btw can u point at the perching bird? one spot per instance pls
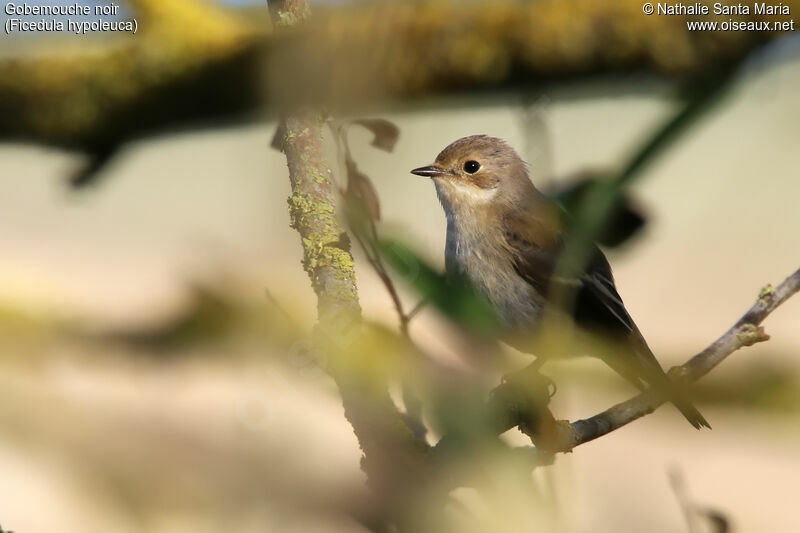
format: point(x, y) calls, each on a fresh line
point(504, 238)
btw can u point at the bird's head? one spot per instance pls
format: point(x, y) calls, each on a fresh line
point(477, 170)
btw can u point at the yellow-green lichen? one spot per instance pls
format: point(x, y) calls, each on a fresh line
point(309, 214)
point(749, 334)
point(766, 294)
point(322, 253)
point(291, 17)
point(293, 135)
point(319, 177)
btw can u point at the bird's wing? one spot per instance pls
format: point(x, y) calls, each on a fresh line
point(535, 248)
point(596, 304)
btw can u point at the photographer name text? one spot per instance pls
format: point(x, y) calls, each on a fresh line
point(757, 8)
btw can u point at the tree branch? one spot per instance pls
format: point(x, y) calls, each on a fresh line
point(746, 332)
point(520, 401)
point(393, 457)
point(211, 59)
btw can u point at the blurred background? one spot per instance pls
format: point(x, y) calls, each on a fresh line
point(150, 376)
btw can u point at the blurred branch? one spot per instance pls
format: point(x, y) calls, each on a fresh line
point(681, 494)
point(191, 61)
point(195, 61)
point(390, 449)
point(745, 332)
point(717, 519)
point(394, 51)
point(604, 199)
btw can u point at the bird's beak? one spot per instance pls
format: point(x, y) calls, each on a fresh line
point(428, 172)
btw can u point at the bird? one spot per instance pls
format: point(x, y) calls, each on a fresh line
point(504, 239)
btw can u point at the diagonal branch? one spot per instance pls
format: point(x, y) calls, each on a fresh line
point(519, 401)
point(746, 332)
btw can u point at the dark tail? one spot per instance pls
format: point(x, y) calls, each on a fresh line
point(691, 413)
point(640, 367)
point(652, 373)
point(670, 390)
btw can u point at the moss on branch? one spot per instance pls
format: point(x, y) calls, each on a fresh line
point(194, 60)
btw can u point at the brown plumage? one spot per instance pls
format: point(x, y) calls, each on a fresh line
point(504, 237)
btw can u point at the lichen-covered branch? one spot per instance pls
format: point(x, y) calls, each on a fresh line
point(393, 457)
point(195, 61)
point(396, 51)
point(326, 253)
point(189, 61)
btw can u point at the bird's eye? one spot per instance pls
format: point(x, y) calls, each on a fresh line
point(471, 167)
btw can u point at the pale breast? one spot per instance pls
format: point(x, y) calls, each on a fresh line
point(475, 253)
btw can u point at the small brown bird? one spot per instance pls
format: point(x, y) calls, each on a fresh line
point(504, 238)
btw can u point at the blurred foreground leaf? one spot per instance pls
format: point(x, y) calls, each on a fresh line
point(195, 62)
point(452, 297)
point(626, 218)
point(385, 132)
point(597, 206)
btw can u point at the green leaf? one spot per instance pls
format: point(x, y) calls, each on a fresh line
point(453, 298)
point(624, 222)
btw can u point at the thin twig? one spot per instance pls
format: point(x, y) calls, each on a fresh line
point(281, 309)
point(373, 258)
point(368, 240)
point(679, 489)
point(417, 308)
point(691, 511)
